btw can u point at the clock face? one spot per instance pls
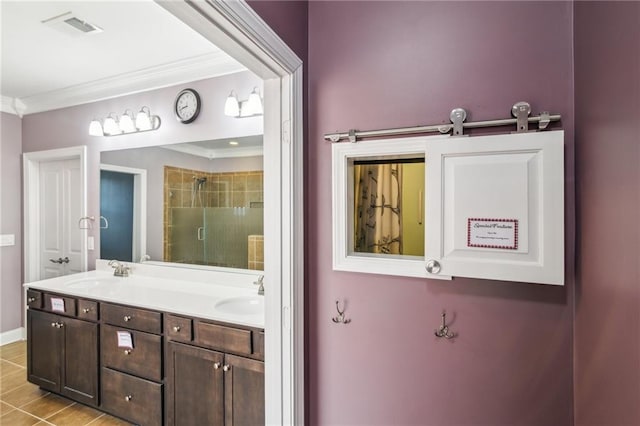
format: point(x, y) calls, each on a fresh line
point(187, 106)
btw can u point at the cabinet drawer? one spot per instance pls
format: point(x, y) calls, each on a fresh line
point(60, 304)
point(88, 309)
point(223, 338)
point(137, 319)
point(178, 328)
point(132, 398)
point(34, 299)
point(144, 359)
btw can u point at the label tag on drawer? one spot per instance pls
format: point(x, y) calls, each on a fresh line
point(57, 304)
point(125, 340)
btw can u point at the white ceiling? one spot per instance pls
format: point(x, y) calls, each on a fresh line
point(222, 148)
point(142, 47)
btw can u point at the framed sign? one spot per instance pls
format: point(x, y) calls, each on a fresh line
point(492, 233)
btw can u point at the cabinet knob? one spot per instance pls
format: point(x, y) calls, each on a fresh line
point(60, 325)
point(127, 351)
point(53, 324)
point(226, 367)
point(127, 318)
point(57, 324)
point(176, 328)
point(128, 398)
point(31, 299)
point(86, 310)
point(216, 365)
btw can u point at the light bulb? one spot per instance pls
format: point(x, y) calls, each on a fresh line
point(231, 106)
point(111, 126)
point(254, 104)
point(95, 128)
point(126, 123)
point(143, 120)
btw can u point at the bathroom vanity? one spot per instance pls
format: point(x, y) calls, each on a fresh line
point(151, 349)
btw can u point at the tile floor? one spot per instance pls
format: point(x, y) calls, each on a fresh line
point(22, 403)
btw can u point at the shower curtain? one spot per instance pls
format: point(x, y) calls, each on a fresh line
point(378, 220)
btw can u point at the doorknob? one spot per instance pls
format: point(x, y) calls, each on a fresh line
point(56, 261)
point(65, 260)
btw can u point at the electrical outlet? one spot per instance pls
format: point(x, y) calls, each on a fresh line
point(7, 240)
point(90, 243)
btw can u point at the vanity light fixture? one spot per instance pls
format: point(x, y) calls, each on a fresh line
point(126, 122)
point(111, 127)
point(251, 107)
point(95, 128)
point(114, 125)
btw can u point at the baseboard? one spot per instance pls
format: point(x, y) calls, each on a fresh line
point(12, 336)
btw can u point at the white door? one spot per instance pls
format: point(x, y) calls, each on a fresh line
point(60, 209)
point(495, 207)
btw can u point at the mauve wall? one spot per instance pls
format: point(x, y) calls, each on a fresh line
point(387, 64)
point(11, 221)
point(607, 330)
point(69, 126)
point(153, 160)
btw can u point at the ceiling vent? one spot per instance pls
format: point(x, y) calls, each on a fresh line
point(71, 24)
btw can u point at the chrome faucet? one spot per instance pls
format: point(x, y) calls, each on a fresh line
point(119, 269)
point(261, 284)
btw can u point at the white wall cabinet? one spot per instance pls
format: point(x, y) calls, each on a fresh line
point(494, 207)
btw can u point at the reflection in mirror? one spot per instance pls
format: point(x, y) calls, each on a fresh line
point(388, 198)
point(204, 202)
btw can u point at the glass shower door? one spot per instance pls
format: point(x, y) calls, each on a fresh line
point(187, 235)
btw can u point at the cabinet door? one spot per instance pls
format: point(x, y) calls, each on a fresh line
point(195, 392)
point(80, 361)
point(243, 391)
point(44, 354)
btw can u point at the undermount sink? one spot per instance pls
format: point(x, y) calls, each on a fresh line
point(245, 305)
point(90, 282)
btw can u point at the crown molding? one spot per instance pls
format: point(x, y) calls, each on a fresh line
point(187, 148)
point(12, 106)
point(191, 69)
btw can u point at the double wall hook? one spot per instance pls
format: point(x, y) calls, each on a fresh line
point(443, 330)
point(340, 318)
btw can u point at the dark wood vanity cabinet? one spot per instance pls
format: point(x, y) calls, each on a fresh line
point(205, 383)
point(179, 371)
point(132, 377)
point(62, 355)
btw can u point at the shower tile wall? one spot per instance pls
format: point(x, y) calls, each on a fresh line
point(231, 189)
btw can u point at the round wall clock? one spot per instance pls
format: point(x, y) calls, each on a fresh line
point(187, 106)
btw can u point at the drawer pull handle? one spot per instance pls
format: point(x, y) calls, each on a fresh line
point(31, 299)
point(86, 310)
point(127, 318)
point(226, 367)
point(176, 328)
point(127, 351)
point(128, 398)
point(216, 365)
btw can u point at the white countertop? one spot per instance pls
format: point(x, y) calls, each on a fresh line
point(145, 289)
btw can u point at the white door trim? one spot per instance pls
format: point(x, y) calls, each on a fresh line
point(139, 248)
point(31, 205)
point(235, 28)
point(31, 170)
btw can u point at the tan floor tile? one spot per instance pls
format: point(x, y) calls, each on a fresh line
point(14, 349)
point(46, 406)
point(5, 408)
point(75, 415)
point(107, 420)
point(12, 381)
point(23, 395)
point(7, 368)
point(21, 360)
point(18, 418)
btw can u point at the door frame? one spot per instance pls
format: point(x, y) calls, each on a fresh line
point(31, 207)
point(139, 248)
point(31, 203)
point(236, 29)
